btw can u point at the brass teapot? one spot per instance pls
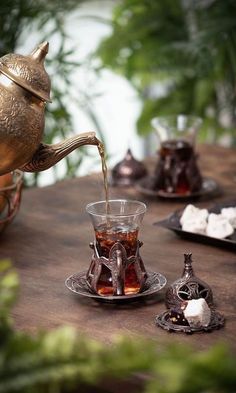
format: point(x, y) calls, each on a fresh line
point(24, 92)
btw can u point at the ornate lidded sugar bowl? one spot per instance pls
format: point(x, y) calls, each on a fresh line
point(190, 306)
point(24, 92)
point(128, 171)
point(188, 287)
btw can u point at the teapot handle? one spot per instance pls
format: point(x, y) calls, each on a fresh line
point(48, 155)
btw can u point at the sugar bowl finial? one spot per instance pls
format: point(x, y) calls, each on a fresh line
point(188, 269)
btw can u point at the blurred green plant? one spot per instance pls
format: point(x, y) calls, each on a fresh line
point(187, 46)
point(19, 18)
point(64, 361)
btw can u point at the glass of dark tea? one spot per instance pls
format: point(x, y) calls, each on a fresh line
point(177, 171)
point(116, 221)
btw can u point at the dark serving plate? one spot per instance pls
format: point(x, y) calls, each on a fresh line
point(209, 188)
point(172, 223)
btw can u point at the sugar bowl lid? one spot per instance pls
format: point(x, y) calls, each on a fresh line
point(128, 171)
point(188, 287)
point(28, 71)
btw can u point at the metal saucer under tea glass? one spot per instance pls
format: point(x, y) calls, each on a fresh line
point(163, 320)
point(209, 188)
point(77, 284)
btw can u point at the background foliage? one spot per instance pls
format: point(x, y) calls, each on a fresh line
point(47, 17)
point(188, 45)
point(64, 361)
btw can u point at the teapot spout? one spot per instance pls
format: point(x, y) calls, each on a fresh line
point(48, 155)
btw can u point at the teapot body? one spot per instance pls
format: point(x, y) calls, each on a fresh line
point(21, 125)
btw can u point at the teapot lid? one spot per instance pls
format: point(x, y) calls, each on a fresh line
point(188, 287)
point(28, 71)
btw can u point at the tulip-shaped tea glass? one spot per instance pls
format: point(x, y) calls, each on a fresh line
point(116, 267)
point(177, 171)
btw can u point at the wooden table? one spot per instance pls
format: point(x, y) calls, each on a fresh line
point(48, 241)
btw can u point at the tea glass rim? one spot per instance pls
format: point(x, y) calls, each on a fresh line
point(173, 117)
point(110, 215)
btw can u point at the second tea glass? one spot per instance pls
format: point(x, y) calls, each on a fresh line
point(177, 171)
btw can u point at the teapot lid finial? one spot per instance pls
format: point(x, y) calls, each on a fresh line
point(40, 52)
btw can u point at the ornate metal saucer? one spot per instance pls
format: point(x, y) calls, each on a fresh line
point(209, 188)
point(77, 283)
point(163, 320)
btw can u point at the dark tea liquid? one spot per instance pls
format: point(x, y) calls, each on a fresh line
point(175, 156)
point(106, 237)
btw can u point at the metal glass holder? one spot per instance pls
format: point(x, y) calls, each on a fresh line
point(117, 263)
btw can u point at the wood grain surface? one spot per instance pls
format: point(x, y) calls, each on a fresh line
point(49, 239)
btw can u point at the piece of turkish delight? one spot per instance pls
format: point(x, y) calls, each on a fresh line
point(191, 213)
point(196, 225)
point(218, 226)
point(197, 312)
point(230, 214)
